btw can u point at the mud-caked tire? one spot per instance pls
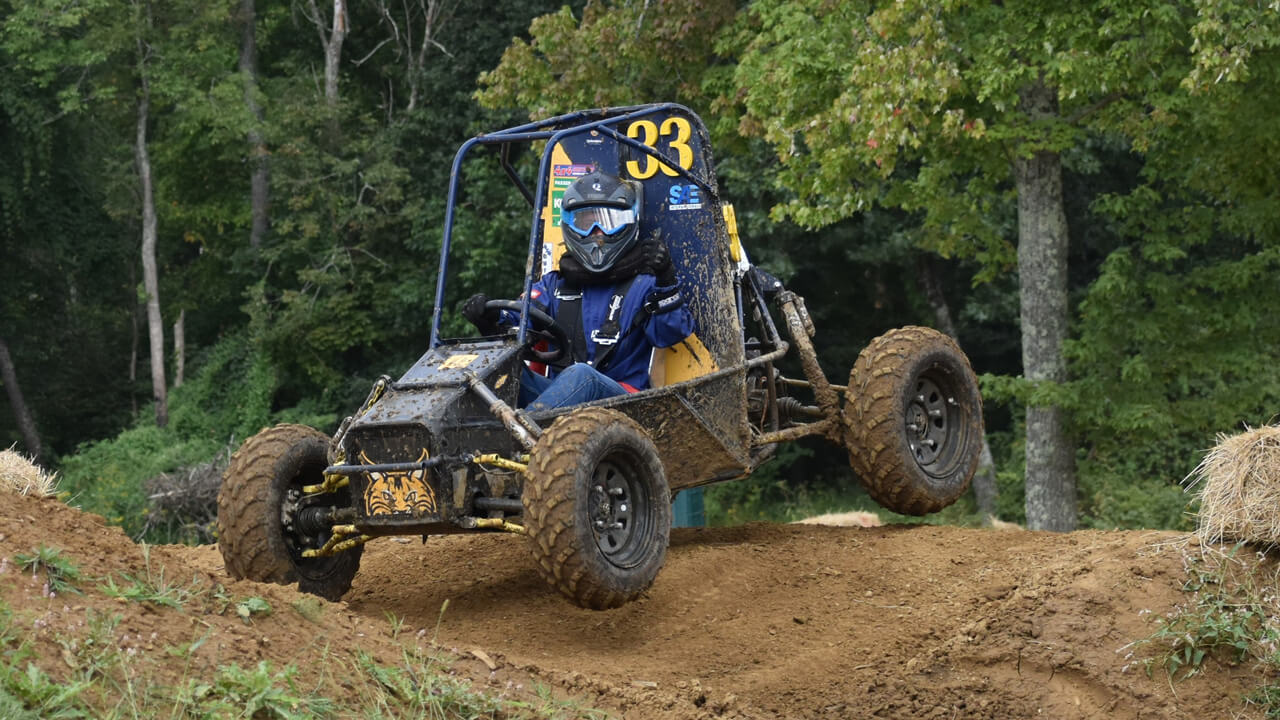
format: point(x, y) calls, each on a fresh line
point(914, 420)
point(263, 485)
point(597, 508)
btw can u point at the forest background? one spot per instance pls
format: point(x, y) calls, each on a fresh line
point(220, 215)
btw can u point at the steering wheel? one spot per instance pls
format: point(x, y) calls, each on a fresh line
point(541, 327)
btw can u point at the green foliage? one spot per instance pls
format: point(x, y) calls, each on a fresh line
point(30, 688)
point(1228, 617)
point(61, 573)
point(230, 395)
point(617, 54)
point(96, 652)
point(256, 693)
point(150, 588)
point(418, 687)
point(857, 140)
point(107, 477)
point(251, 606)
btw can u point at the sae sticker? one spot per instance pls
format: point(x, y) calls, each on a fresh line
point(684, 197)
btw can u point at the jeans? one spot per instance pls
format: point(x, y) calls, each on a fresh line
point(576, 384)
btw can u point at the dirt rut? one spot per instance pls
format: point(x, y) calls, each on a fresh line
point(759, 621)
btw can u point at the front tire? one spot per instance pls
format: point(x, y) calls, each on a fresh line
point(597, 508)
point(258, 504)
point(914, 420)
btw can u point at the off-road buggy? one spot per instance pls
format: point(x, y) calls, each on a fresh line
point(444, 449)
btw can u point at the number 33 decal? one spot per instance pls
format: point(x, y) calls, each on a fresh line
point(647, 132)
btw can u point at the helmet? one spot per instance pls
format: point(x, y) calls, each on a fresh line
point(605, 203)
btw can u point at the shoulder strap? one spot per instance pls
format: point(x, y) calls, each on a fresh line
point(569, 315)
point(610, 331)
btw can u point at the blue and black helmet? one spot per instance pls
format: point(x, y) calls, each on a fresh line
point(600, 219)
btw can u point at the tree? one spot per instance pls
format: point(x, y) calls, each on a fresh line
point(27, 424)
point(142, 159)
point(332, 30)
point(260, 177)
point(941, 109)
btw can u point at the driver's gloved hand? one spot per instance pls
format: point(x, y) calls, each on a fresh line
point(664, 270)
point(486, 321)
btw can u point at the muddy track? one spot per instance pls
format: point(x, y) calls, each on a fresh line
point(804, 621)
point(760, 621)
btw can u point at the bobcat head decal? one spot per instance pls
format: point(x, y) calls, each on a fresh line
point(399, 493)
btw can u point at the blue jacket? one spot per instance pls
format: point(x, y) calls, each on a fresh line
point(629, 363)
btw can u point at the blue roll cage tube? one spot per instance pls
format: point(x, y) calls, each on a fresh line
point(530, 131)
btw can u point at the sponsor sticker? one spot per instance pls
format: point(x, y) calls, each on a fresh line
point(458, 362)
point(562, 176)
point(684, 197)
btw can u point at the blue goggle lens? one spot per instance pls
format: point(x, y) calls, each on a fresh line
point(610, 220)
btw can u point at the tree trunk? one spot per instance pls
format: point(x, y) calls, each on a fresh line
point(984, 479)
point(434, 14)
point(26, 424)
point(133, 340)
point(1042, 271)
point(150, 278)
point(179, 348)
point(260, 189)
point(332, 43)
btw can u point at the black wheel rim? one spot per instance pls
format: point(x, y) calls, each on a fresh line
point(934, 423)
point(619, 511)
point(298, 533)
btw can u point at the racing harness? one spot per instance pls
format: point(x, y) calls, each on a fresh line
point(606, 337)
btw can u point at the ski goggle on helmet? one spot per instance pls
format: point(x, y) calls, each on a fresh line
point(605, 202)
point(609, 220)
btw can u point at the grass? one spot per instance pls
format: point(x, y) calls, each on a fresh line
point(1231, 617)
point(89, 673)
point(151, 586)
point(60, 572)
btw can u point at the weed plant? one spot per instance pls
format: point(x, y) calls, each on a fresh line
point(95, 676)
point(60, 572)
point(1231, 616)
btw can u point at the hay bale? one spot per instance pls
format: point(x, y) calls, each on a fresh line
point(855, 518)
point(1238, 484)
point(18, 474)
point(996, 523)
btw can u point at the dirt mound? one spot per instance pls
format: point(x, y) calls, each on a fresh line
point(760, 621)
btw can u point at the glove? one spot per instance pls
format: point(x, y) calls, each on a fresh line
point(486, 321)
point(664, 300)
point(662, 268)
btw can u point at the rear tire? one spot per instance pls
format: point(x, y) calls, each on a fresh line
point(914, 420)
point(261, 489)
point(597, 508)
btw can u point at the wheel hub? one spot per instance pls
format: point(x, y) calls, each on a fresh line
point(306, 520)
point(928, 423)
point(612, 509)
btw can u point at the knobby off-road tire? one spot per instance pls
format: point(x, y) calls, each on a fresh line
point(263, 486)
point(914, 420)
point(597, 508)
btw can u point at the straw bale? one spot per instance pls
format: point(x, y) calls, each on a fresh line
point(1238, 484)
point(855, 518)
point(18, 474)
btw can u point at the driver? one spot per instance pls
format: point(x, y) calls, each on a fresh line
point(616, 297)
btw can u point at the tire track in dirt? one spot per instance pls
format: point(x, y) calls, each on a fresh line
point(759, 621)
point(811, 621)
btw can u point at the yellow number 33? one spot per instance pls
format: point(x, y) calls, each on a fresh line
point(647, 132)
